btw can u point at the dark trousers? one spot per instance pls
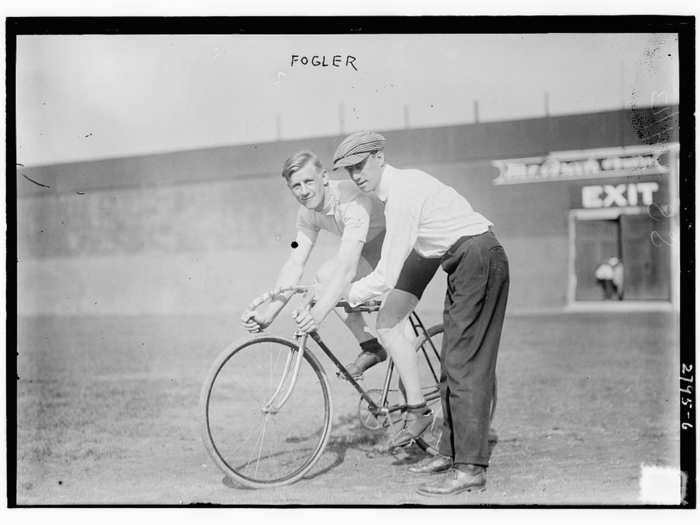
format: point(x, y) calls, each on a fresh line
point(610, 291)
point(475, 305)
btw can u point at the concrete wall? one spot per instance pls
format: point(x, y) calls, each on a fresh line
point(217, 215)
point(211, 246)
point(447, 144)
point(204, 231)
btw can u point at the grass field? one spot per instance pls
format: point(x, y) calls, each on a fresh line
point(108, 414)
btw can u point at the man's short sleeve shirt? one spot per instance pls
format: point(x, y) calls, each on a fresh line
point(347, 213)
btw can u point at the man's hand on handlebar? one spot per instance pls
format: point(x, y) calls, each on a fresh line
point(306, 322)
point(254, 321)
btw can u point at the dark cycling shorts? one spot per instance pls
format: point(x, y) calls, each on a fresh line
point(417, 270)
point(416, 273)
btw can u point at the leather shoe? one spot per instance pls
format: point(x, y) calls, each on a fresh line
point(363, 362)
point(432, 465)
point(456, 482)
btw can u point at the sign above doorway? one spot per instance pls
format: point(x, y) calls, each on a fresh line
point(583, 164)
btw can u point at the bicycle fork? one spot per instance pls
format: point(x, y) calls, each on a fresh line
point(289, 377)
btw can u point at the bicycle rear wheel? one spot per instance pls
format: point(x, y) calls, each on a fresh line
point(261, 448)
point(428, 348)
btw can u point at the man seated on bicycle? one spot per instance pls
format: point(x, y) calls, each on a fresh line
point(341, 209)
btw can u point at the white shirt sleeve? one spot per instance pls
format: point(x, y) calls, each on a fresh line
point(402, 220)
point(355, 217)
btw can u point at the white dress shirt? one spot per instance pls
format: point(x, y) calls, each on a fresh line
point(421, 213)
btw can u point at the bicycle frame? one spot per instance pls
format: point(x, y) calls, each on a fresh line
point(375, 408)
point(291, 368)
point(294, 361)
point(415, 323)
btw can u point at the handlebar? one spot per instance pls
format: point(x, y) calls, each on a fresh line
point(369, 306)
point(277, 291)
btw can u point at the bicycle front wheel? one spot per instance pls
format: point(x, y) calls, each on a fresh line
point(253, 445)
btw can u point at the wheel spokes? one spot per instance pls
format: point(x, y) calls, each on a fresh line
point(258, 446)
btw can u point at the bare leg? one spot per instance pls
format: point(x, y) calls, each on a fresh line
point(393, 330)
point(392, 327)
point(357, 325)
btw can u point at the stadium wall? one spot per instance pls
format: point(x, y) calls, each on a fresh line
point(205, 230)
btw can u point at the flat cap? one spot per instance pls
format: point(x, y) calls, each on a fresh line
point(356, 148)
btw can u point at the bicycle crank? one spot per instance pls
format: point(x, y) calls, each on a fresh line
point(375, 419)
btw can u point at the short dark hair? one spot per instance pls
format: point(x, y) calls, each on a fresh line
point(298, 161)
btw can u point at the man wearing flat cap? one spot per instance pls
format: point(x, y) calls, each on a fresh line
point(429, 224)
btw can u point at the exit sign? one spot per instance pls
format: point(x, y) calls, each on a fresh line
point(618, 195)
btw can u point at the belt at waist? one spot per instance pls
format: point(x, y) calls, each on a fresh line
point(462, 240)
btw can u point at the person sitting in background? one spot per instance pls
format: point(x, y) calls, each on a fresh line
point(610, 276)
point(618, 276)
point(604, 278)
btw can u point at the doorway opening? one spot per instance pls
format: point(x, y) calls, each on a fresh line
point(630, 241)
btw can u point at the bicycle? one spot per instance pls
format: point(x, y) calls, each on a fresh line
point(236, 432)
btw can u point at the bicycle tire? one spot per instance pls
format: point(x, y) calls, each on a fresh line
point(430, 383)
point(430, 440)
point(222, 393)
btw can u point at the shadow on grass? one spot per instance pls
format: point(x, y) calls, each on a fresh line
point(349, 434)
